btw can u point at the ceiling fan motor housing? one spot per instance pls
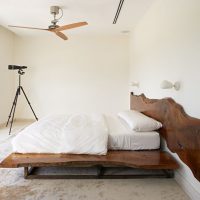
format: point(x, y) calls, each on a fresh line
point(54, 10)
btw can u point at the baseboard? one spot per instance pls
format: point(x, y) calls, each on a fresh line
point(3, 125)
point(24, 120)
point(187, 186)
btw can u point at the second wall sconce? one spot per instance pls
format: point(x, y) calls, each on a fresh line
point(134, 84)
point(168, 85)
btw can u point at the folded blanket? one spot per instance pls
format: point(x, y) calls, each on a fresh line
point(78, 134)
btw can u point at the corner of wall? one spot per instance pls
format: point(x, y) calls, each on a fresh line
point(187, 186)
point(7, 78)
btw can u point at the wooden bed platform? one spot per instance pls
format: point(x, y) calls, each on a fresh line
point(154, 160)
point(180, 131)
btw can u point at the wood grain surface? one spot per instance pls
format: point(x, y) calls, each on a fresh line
point(136, 159)
point(181, 131)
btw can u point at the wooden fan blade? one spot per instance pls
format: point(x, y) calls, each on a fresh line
point(61, 35)
point(28, 27)
point(70, 26)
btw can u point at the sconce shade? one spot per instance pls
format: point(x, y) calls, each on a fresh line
point(134, 84)
point(177, 85)
point(168, 85)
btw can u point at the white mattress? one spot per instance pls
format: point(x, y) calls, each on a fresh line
point(121, 137)
point(82, 134)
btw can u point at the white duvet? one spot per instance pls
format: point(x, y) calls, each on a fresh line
point(79, 134)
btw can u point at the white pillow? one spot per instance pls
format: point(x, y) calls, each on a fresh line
point(138, 121)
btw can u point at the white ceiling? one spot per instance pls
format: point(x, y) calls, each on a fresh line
point(98, 13)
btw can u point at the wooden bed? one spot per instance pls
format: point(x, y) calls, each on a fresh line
point(180, 131)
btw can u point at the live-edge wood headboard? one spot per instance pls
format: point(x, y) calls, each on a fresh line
point(181, 132)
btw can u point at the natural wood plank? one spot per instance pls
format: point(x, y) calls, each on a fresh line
point(135, 159)
point(181, 132)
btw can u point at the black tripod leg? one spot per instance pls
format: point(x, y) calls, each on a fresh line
point(28, 102)
point(14, 103)
point(13, 114)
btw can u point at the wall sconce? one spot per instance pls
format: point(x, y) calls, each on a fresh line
point(168, 85)
point(134, 84)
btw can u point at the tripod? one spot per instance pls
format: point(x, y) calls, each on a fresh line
point(18, 92)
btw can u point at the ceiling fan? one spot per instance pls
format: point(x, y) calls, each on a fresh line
point(54, 28)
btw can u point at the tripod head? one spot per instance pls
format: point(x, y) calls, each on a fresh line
point(21, 72)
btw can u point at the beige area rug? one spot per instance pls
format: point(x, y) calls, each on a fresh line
point(14, 187)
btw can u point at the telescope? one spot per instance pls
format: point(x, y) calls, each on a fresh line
point(18, 92)
point(16, 67)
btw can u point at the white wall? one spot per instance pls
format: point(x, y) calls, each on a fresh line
point(6, 76)
point(166, 45)
point(83, 74)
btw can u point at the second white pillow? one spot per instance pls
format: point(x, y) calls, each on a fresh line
point(138, 121)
